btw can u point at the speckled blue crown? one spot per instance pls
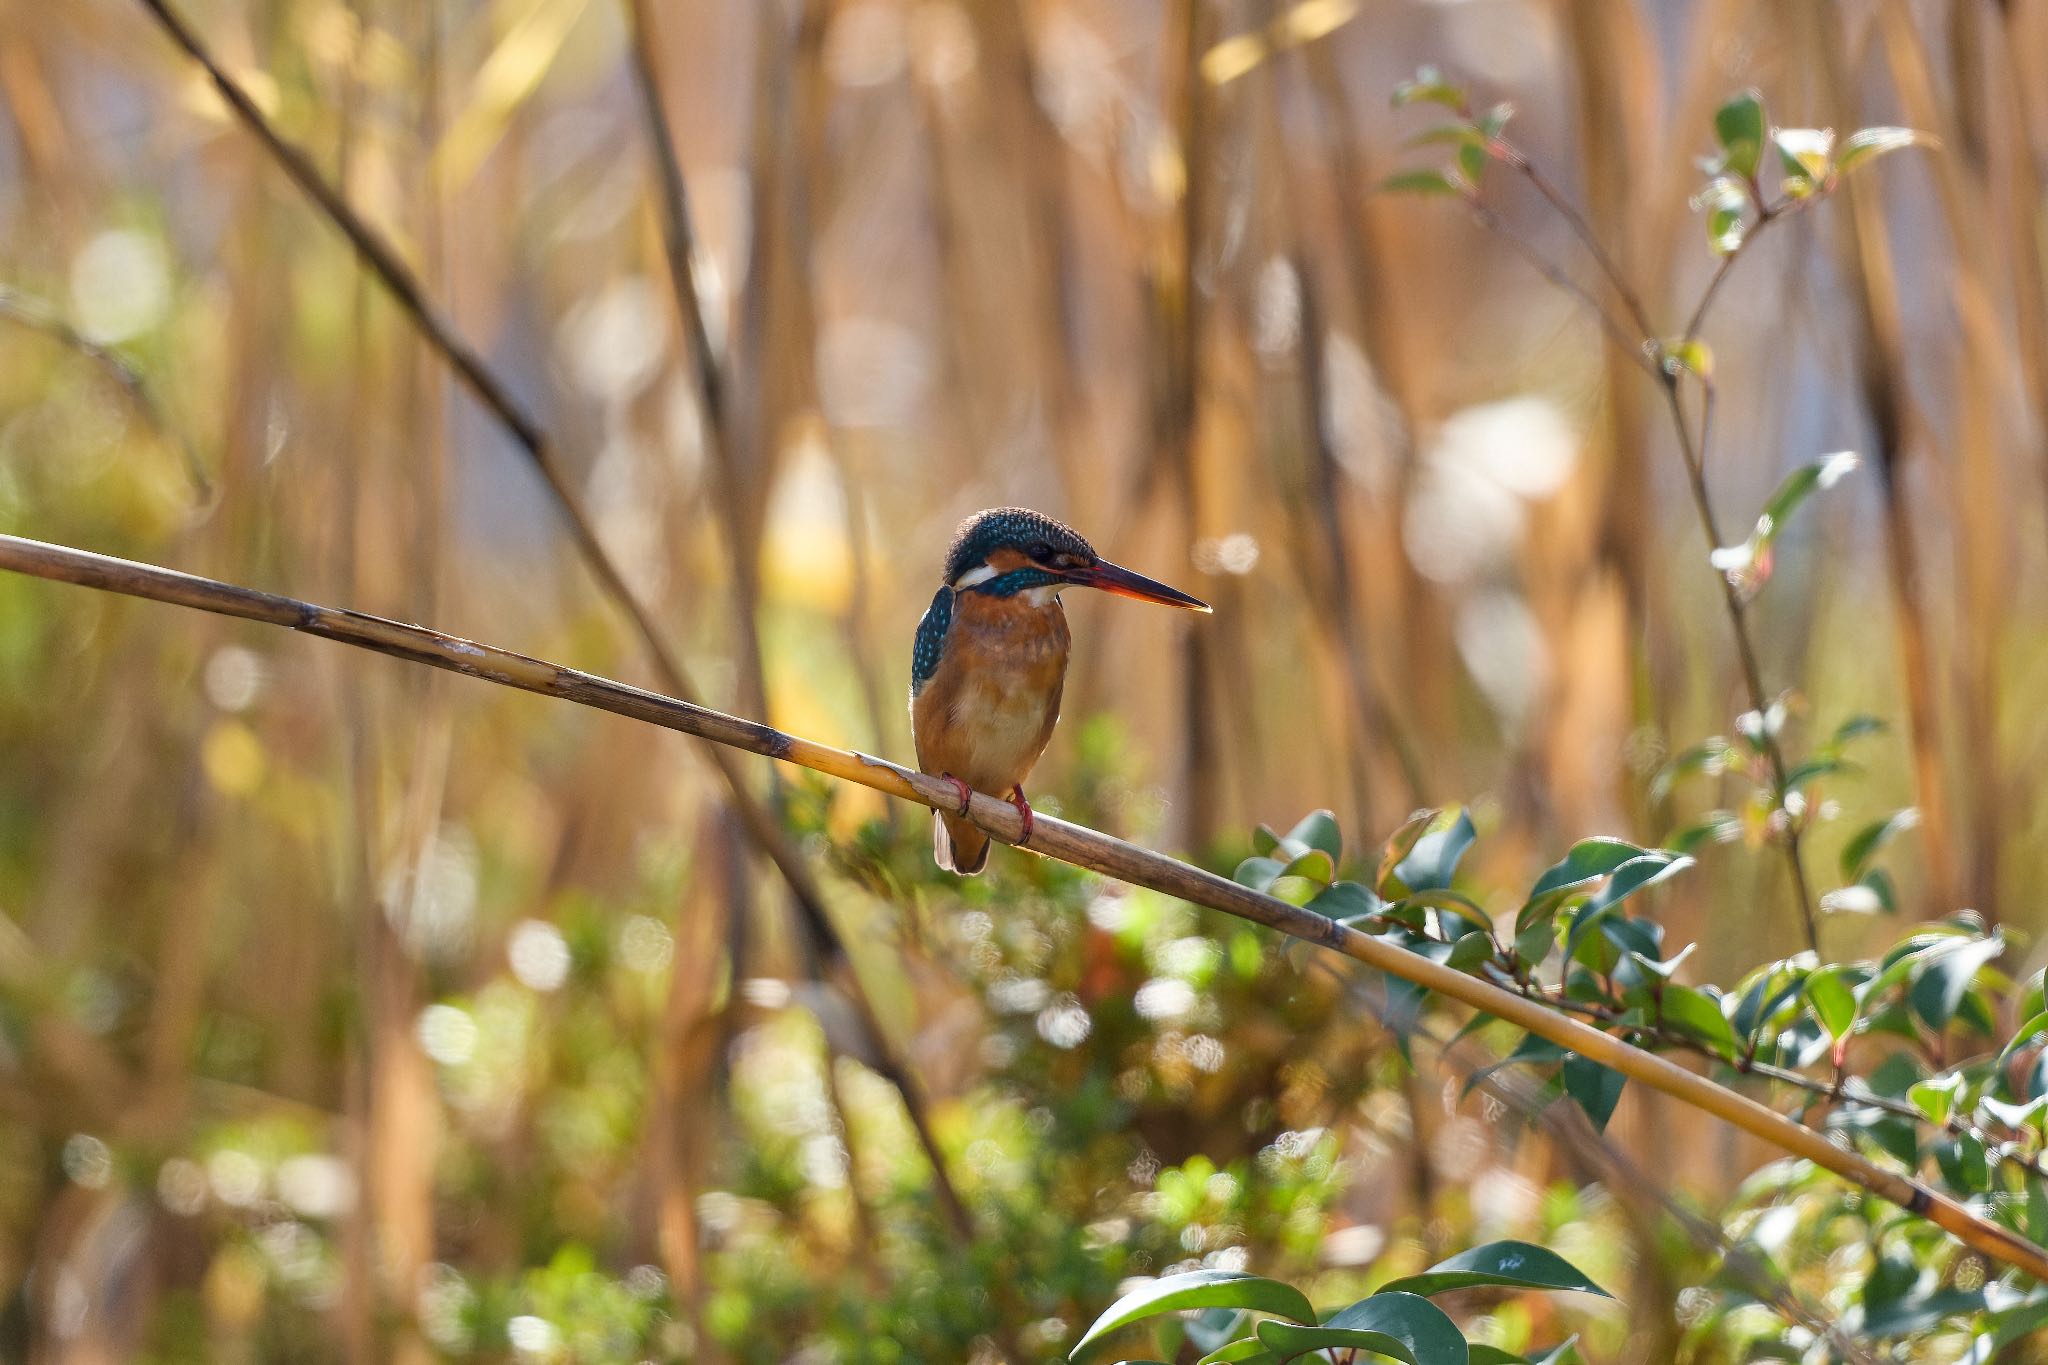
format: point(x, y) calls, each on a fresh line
point(1014, 527)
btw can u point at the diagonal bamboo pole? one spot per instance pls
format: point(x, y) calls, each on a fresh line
point(1074, 844)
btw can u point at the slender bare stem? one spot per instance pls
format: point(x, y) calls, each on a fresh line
point(1842, 1089)
point(1635, 348)
point(36, 317)
point(1583, 230)
point(1767, 215)
point(755, 820)
point(1745, 649)
point(1077, 845)
point(1654, 358)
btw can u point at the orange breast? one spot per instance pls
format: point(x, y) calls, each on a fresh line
point(988, 711)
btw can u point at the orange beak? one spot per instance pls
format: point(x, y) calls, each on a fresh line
point(1112, 578)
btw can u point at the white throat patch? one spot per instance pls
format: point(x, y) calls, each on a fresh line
point(974, 576)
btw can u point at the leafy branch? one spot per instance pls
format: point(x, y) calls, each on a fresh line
point(1738, 209)
point(1572, 946)
point(1254, 1320)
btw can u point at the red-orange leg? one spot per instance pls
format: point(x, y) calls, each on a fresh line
point(1023, 809)
point(966, 792)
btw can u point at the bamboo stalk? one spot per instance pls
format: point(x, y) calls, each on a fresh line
point(1077, 845)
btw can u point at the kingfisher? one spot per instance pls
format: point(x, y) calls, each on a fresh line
point(991, 658)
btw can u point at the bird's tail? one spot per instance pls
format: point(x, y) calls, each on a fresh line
point(959, 844)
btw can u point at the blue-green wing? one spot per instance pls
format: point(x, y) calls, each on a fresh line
point(931, 640)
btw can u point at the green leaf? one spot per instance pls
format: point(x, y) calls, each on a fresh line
point(1495, 120)
point(1799, 485)
point(1806, 772)
point(1318, 829)
point(1493, 1355)
point(1346, 901)
point(1740, 125)
point(1595, 1088)
point(1428, 86)
point(1631, 877)
point(1833, 1002)
point(1699, 1015)
point(1444, 903)
point(1452, 134)
point(1433, 861)
point(1405, 1326)
point(1210, 1328)
point(1470, 950)
point(1867, 144)
point(1194, 1289)
point(1726, 201)
point(1472, 160)
point(1535, 937)
point(1258, 873)
point(1804, 153)
point(1716, 826)
point(1249, 1351)
point(1941, 978)
point(1865, 843)
point(1709, 757)
point(1936, 1096)
point(1964, 1164)
point(1588, 861)
point(1315, 864)
point(1420, 182)
point(1264, 840)
point(1691, 357)
point(1284, 1342)
point(2015, 1116)
point(2026, 1033)
point(1399, 844)
point(1515, 1265)
point(1748, 564)
point(1856, 727)
point(1638, 874)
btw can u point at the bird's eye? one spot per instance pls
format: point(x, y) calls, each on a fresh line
point(1039, 550)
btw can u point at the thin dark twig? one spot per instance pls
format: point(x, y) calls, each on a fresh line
point(1745, 648)
point(1768, 214)
point(1844, 1089)
point(755, 820)
point(38, 317)
point(1635, 348)
point(1657, 361)
point(1584, 232)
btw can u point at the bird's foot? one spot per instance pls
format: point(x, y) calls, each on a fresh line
point(1024, 810)
point(966, 792)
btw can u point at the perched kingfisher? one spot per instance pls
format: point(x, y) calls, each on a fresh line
point(991, 658)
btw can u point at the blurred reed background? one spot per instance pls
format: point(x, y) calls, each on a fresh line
point(328, 987)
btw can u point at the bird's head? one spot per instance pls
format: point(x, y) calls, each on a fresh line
point(1010, 550)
